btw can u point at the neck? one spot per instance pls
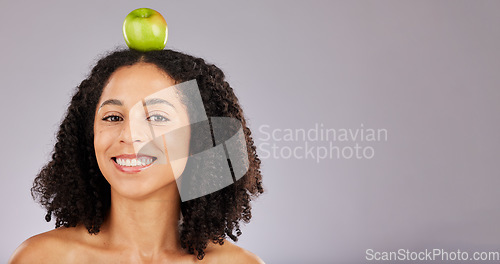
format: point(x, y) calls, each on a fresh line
point(147, 225)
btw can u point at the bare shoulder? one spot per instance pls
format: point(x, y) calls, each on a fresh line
point(230, 253)
point(47, 247)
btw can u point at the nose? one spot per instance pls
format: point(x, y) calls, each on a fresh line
point(134, 131)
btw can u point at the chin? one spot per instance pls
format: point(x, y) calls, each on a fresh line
point(145, 191)
point(142, 185)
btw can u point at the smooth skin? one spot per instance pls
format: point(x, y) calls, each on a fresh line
point(142, 226)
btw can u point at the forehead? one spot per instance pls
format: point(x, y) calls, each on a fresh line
point(131, 84)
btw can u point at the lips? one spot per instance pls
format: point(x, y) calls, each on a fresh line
point(133, 163)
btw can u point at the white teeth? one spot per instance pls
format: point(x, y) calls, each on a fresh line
point(134, 162)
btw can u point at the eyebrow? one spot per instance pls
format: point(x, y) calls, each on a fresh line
point(111, 102)
point(151, 101)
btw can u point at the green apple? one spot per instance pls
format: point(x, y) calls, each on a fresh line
point(145, 29)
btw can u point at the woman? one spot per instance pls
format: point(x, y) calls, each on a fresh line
point(130, 135)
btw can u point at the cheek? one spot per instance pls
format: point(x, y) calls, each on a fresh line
point(175, 145)
point(102, 140)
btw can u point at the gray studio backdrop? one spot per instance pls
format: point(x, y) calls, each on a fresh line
point(376, 121)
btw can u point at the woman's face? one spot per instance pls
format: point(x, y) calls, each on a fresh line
point(139, 125)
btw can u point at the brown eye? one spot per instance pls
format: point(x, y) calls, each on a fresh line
point(112, 118)
point(157, 118)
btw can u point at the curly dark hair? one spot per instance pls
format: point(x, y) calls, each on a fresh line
point(72, 188)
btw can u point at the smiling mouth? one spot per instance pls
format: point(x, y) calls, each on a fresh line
point(134, 162)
